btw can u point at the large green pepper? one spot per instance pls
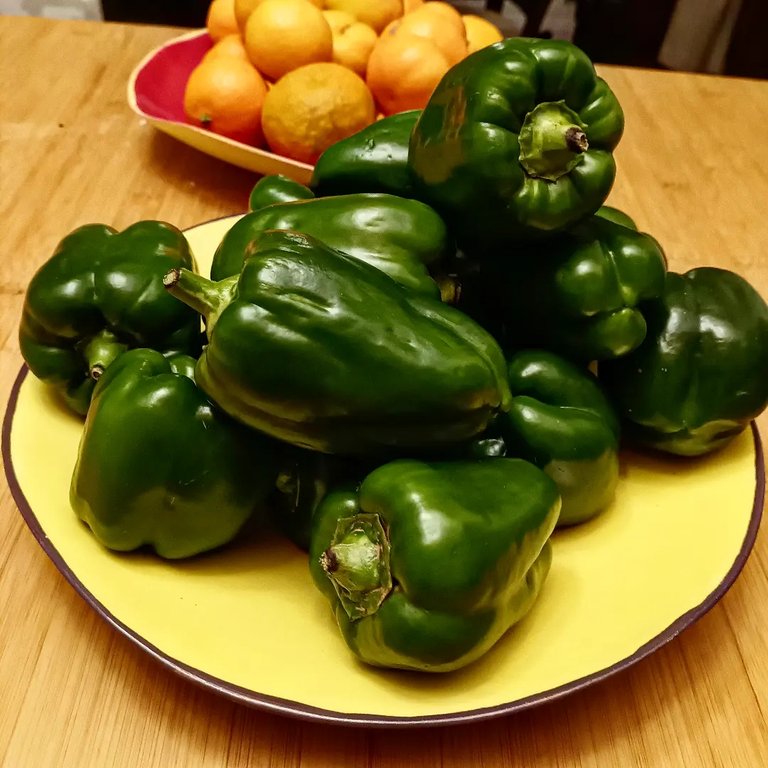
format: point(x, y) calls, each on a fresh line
point(398, 236)
point(324, 351)
point(427, 565)
point(516, 142)
point(159, 465)
point(372, 160)
point(561, 420)
point(100, 293)
point(582, 296)
point(277, 188)
point(701, 375)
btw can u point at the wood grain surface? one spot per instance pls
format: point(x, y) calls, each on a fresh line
point(693, 171)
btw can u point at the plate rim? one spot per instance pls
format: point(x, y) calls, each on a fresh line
point(160, 121)
point(298, 710)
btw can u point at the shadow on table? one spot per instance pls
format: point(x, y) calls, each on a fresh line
point(221, 184)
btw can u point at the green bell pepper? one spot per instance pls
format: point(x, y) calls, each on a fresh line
point(616, 216)
point(303, 481)
point(277, 188)
point(515, 143)
point(326, 352)
point(701, 375)
point(374, 159)
point(100, 293)
point(427, 565)
point(562, 421)
point(159, 465)
point(582, 297)
point(398, 236)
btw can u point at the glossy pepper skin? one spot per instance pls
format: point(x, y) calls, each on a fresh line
point(427, 565)
point(583, 296)
point(304, 479)
point(701, 375)
point(100, 293)
point(562, 421)
point(372, 160)
point(616, 216)
point(160, 466)
point(515, 143)
point(398, 236)
point(277, 188)
point(326, 352)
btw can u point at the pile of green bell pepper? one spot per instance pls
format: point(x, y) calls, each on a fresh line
point(419, 367)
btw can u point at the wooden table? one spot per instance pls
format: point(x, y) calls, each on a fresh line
point(73, 692)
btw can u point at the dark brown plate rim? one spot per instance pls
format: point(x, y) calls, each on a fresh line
point(306, 712)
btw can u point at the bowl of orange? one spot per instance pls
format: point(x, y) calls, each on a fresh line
point(270, 84)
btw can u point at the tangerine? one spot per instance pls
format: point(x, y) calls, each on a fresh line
point(403, 70)
point(225, 95)
point(228, 46)
point(315, 106)
point(480, 32)
point(220, 20)
point(435, 26)
point(353, 40)
point(282, 35)
point(375, 13)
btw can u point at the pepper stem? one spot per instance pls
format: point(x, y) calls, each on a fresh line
point(357, 563)
point(100, 351)
point(201, 294)
point(552, 141)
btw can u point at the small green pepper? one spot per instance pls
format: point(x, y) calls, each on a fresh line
point(427, 565)
point(616, 216)
point(100, 293)
point(582, 296)
point(326, 352)
point(398, 236)
point(160, 466)
point(372, 160)
point(562, 421)
point(516, 143)
point(277, 188)
point(701, 375)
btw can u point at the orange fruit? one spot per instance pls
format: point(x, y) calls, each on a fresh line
point(411, 5)
point(282, 35)
point(446, 10)
point(313, 107)
point(220, 19)
point(225, 95)
point(337, 20)
point(353, 40)
point(375, 13)
point(244, 8)
point(228, 46)
point(434, 26)
point(480, 32)
point(403, 70)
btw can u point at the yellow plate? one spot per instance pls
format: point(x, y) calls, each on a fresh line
point(248, 623)
point(156, 93)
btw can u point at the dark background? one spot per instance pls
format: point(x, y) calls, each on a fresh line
point(628, 32)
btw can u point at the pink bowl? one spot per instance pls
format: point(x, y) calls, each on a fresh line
point(156, 93)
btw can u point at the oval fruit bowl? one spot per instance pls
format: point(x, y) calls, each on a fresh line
point(156, 93)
